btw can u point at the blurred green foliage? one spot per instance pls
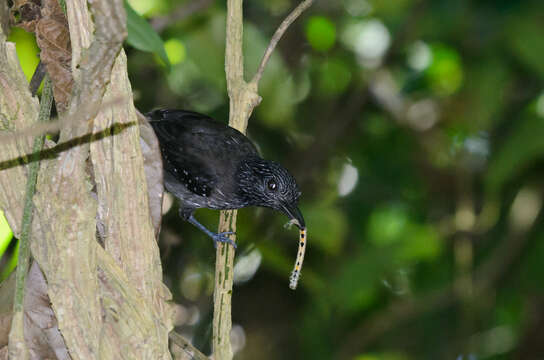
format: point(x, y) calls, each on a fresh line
point(414, 130)
point(321, 33)
point(446, 72)
point(175, 50)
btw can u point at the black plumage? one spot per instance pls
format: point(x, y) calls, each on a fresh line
point(211, 165)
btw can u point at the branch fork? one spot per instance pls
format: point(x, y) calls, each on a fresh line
point(244, 97)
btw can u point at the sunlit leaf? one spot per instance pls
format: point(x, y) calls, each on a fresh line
point(148, 7)
point(175, 50)
point(11, 263)
point(5, 234)
point(142, 36)
point(27, 50)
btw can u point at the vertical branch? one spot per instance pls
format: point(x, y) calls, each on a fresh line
point(234, 57)
point(243, 98)
point(224, 266)
point(224, 271)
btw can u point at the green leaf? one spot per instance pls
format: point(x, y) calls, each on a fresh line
point(5, 234)
point(27, 50)
point(142, 36)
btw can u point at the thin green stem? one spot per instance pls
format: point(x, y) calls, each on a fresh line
point(26, 226)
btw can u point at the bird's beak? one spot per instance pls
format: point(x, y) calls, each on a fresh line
point(295, 215)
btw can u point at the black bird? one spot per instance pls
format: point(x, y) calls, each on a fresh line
point(208, 164)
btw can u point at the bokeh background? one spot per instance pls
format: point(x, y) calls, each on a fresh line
point(415, 129)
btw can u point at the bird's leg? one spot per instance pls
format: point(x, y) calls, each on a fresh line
point(216, 237)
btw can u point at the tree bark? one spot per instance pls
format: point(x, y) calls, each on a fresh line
point(109, 301)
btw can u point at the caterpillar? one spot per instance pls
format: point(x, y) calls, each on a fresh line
point(295, 275)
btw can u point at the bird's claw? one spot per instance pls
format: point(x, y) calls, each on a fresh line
point(222, 237)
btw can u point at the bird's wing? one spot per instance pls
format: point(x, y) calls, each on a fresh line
point(178, 125)
point(199, 151)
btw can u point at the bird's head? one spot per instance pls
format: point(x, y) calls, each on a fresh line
point(267, 183)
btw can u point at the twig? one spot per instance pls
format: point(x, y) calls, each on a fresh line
point(16, 343)
point(277, 36)
point(186, 346)
point(243, 99)
point(37, 78)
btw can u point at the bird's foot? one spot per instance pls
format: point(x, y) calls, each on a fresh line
point(217, 237)
point(223, 238)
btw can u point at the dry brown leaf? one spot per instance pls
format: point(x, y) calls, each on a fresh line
point(47, 20)
point(153, 171)
point(27, 12)
point(42, 335)
point(53, 38)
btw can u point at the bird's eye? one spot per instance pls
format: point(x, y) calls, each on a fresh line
point(272, 185)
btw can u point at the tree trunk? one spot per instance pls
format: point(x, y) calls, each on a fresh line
point(92, 235)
